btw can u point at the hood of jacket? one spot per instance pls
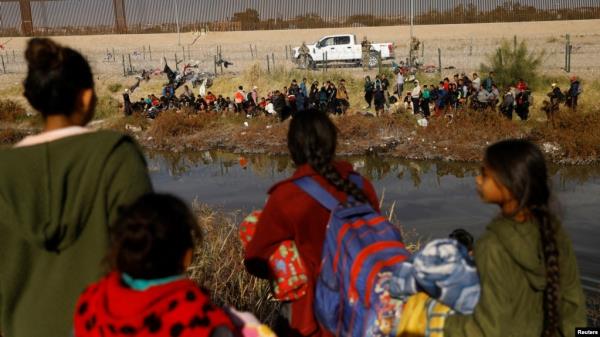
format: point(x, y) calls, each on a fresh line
point(47, 192)
point(523, 244)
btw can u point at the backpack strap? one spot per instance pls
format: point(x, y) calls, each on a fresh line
point(317, 192)
point(357, 180)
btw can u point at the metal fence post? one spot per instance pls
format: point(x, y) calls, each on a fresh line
point(3, 66)
point(144, 52)
point(268, 65)
point(439, 60)
point(286, 52)
point(215, 65)
point(130, 66)
point(124, 70)
point(273, 60)
point(251, 52)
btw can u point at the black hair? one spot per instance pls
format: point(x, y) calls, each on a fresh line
point(463, 237)
point(520, 166)
point(55, 77)
point(151, 237)
point(312, 139)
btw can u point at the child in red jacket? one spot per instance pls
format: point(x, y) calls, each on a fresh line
point(147, 293)
point(291, 214)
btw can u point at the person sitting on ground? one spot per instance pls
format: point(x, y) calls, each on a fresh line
point(476, 82)
point(187, 92)
point(147, 290)
point(263, 103)
point(408, 101)
point(270, 108)
point(291, 214)
point(494, 97)
point(61, 190)
point(521, 85)
point(508, 103)
point(530, 282)
point(210, 98)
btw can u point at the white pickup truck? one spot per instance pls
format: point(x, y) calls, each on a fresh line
point(342, 49)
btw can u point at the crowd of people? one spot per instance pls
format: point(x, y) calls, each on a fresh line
point(88, 249)
point(283, 103)
point(464, 92)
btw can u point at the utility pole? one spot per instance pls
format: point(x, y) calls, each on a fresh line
point(177, 22)
point(412, 18)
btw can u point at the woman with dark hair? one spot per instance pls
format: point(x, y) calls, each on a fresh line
point(291, 214)
point(530, 282)
point(60, 192)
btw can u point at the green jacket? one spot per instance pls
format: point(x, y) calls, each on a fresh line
point(510, 262)
point(57, 200)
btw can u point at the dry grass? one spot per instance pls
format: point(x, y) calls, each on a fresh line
point(11, 111)
point(218, 267)
point(179, 123)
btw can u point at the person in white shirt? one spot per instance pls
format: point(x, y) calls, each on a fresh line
point(400, 83)
point(476, 83)
point(416, 96)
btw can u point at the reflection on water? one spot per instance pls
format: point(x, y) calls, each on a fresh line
point(431, 197)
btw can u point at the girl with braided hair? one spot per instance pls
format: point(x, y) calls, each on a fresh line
point(530, 282)
point(291, 214)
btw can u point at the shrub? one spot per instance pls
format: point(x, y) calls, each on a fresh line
point(171, 124)
point(114, 87)
point(106, 107)
point(11, 111)
point(218, 267)
point(511, 62)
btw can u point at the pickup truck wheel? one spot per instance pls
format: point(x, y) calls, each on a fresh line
point(373, 60)
point(304, 63)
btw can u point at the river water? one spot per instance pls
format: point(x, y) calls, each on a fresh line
point(428, 198)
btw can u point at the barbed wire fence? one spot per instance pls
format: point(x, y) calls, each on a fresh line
point(67, 17)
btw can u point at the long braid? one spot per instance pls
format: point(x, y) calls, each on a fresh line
point(552, 292)
point(312, 139)
point(324, 167)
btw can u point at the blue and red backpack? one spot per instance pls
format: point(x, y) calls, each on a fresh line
point(361, 253)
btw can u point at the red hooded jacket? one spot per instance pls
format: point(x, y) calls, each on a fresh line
point(291, 214)
point(179, 308)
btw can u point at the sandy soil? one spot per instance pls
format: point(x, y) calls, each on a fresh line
point(463, 46)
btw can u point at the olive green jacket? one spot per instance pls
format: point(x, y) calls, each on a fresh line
point(511, 267)
point(57, 200)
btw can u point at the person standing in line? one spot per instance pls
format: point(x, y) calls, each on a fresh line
point(399, 83)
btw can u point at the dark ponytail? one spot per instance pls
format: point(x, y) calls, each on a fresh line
point(521, 168)
point(151, 237)
point(55, 77)
point(312, 139)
